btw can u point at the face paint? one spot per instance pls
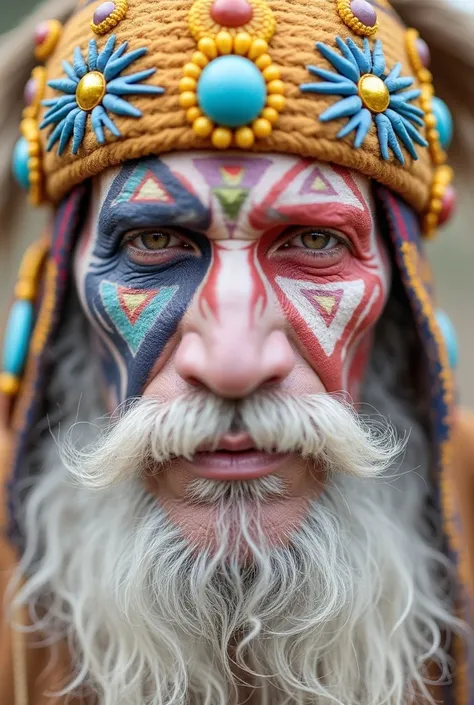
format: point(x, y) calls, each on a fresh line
point(134, 307)
point(241, 223)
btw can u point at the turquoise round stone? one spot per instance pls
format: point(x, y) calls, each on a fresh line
point(20, 163)
point(17, 337)
point(450, 338)
point(231, 91)
point(444, 122)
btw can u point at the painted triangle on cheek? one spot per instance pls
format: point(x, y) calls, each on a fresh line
point(134, 312)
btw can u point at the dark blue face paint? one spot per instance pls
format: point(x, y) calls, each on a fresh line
point(137, 307)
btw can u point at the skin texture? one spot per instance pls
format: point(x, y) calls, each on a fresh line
point(231, 272)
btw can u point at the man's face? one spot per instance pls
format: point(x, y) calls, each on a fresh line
point(233, 274)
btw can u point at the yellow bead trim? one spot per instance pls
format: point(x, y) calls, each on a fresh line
point(443, 175)
point(38, 75)
point(9, 384)
point(441, 180)
point(43, 51)
point(121, 7)
point(425, 79)
point(30, 131)
point(349, 19)
point(262, 24)
point(256, 50)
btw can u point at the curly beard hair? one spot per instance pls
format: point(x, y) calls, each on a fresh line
point(353, 610)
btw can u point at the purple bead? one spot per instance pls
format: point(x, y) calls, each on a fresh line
point(103, 11)
point(31, 88)
point(423, 52)
point(364, 12)
point(41, 33)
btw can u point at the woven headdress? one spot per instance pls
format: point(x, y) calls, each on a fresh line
point(334, 80)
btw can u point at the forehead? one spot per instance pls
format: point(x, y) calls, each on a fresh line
point(235, 184)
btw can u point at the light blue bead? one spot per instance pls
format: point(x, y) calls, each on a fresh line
point(231, 91)
point(444, 122)
point(20, 163)
point(449, 334)
point(17, 337)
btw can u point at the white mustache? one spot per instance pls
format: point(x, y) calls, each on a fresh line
point(319, 427)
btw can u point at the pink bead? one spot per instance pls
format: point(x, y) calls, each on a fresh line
point(231, 13)
point(29, 94)
point(364, 12)
point(449, 205)
point(423, 52)
point(41, 33)
point(103, 11)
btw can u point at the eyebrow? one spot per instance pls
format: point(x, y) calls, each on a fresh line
point(146, 194)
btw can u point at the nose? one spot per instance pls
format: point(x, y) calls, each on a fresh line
point(235, 356)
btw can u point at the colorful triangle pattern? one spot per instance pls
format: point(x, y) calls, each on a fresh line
point(145, 187)
point(134, 312)
point(326, 308)
point(316, 182)
point(231, 200)
point(232, 175)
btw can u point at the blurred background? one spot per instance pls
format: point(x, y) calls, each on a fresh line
point(452, 254)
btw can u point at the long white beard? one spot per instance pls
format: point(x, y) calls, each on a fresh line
point(349, 613)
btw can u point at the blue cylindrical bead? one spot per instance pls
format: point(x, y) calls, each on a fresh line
point(449, 334)
point(17, 337)
point(231, 91)
point(444, 122)
point(20, 163)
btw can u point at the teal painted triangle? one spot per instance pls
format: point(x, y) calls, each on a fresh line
point(231, 200)
point(135, 333)
point(131, 184)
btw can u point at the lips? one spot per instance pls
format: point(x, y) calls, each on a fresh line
point(234, 458)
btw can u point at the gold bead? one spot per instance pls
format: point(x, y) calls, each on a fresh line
point(187, 100)
point(276, 101)
point(258, 47)
point(200, 59)
point(25, 290)
point(208, 47)
point(192, 71)
point(271, 73)
point(222, 137)
point(270, 114)
point(374, 93)
point(276, 87)
point(436, 205)
point(433, 135)
point(244, 137)
point(432, 220)
point(425, 76)
point(187, 84)
point(90, 90)
point(262, 128)
point(9, 384)
point(438, 190)
point(203, 127)
point(430, 120)
point(224, 42)
point(263, 61)
point(242, 43)
point(193, 114)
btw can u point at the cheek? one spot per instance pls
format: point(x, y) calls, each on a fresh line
point(332, 313)
point(135, 312)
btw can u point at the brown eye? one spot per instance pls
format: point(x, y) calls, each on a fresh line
point(156, 241)
point(317, 241)
point(313, 240)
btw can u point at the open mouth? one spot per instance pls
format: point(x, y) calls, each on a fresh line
point(235, 458)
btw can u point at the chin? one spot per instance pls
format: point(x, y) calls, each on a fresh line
point(243, 527)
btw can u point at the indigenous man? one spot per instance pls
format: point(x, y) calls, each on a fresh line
point(226, 393)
